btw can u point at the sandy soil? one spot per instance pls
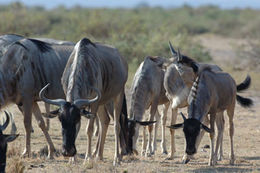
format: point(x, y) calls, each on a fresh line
point(246, 142)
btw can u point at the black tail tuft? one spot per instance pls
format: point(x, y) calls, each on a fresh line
point(245, 102)
point(245, 84)
point(123, 135)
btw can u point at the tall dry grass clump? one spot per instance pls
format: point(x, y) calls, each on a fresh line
point(14, 161)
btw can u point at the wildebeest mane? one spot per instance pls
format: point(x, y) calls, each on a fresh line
point(192, 63)
point(42, 46)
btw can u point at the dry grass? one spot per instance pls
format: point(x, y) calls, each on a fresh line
point(246, 143)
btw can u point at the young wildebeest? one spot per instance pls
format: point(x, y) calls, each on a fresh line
point(147, 91)
point(212, 92)
point(93, 70)
point(4, 139)
point(178, 81)
point(26, 66)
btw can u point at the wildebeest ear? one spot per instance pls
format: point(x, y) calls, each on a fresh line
point(52, 114)
point(145, 123)
point(176, 126)
point(87, 114)
point(205, 128)
point(10, 138)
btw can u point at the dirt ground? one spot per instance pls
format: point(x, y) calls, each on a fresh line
point(246, 140)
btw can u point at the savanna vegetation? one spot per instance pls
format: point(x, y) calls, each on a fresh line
point(135, 32)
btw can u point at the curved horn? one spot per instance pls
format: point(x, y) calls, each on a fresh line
point(172, 49)
point(3, 127)
point(57, 102)
point(179, 55)
point(184, 118)
point(84, 102)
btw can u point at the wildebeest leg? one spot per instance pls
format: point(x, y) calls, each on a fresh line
point(144, 142)
point(97, 127)
point(104, 122)
point(213, 158)
point(173, 121)
point(230, 113)
point(118, 102)
point(153, 110)
point(154, 146)
point(27, 110)
point(40, 121)
point(21, 110)
point(47, 120)
point(220, 126)
point(163, 119)
point(90, 125)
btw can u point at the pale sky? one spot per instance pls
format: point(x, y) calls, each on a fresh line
point(132, 3)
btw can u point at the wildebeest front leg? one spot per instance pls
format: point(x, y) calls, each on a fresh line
point(40, 121)
point(27, 112)
point(150, 128)
point(144, 142)
point(104, 122)
point(163, 119)
point(90, 125)
point(154, 146)
point(47, 120)
point(213, 158)
point(117, 111)
point(173, 121)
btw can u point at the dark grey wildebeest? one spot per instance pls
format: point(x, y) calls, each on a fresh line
point(59, 45)
point(147, 91)
point(212, 92)
point(4, 139)
point(178, 81)
point(26, 66)
point(94, 71)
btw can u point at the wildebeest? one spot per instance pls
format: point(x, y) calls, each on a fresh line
point(59, 45)
point(212, 92)
point(147, 91)
point(94, 71)
point(4, 139)
point(26, 66)
point(178, 81)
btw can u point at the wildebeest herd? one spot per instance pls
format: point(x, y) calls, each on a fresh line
point(88, 79)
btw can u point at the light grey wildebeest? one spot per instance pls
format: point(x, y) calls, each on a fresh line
point(94, 71)
point(178, 81)
point(147, 91)
point(212, 92)
point(25, 67)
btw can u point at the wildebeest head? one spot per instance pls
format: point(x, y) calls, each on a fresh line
point(132, 125)
point(69, 115)
point(191, 128)
point(4, 139)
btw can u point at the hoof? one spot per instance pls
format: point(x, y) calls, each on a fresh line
point(186, 161)
point(164, 152)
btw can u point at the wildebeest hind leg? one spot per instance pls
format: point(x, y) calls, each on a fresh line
point(230, 113)
point(118, 102)
point(40, 121)
point(47, 120)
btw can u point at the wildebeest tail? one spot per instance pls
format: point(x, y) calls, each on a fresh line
point(245, 102)
point(245, 84)
point(123, 135)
